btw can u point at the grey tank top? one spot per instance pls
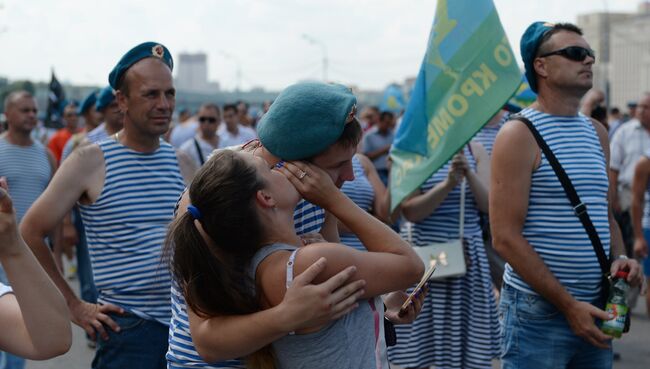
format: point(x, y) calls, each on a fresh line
point(355, 341)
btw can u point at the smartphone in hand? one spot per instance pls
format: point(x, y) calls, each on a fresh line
point(418, 288)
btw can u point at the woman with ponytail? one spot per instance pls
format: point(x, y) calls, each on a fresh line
point(236, 251)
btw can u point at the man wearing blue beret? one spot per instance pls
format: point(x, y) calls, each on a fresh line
point(126, 187)
point(551, 297)
point(113, 117)
point(309, 121)
point(87, 110)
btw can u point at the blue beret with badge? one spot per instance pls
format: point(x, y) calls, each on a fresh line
point(529, 45)
point(87, 103)
point(305, 119)
point(142, 51)
point(105, 98)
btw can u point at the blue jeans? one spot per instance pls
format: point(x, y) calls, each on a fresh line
point(140, 344)
point(535, 334)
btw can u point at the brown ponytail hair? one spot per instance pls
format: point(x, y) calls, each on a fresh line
point(212, 273)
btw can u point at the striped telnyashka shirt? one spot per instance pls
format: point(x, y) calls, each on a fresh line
point(28, 171)
point(551, 226)
point(126, 228)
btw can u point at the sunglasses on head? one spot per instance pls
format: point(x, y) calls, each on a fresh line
point(575, 53)
point(207, 119)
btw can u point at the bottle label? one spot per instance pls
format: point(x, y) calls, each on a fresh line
point(619, 312)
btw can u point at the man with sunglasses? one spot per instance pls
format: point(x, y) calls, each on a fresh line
point(551, 300)
point(206, 140)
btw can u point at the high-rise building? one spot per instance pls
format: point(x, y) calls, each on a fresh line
point(622, 45)
point(192, 74)
point(597, 29)
point(630, 55)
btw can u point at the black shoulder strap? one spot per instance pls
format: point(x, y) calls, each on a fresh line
point(579, 208)
point(198, 150)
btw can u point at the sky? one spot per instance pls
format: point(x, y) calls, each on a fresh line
point(369, 43)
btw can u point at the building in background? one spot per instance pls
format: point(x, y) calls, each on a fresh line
point(192, 75)
point(622, 45)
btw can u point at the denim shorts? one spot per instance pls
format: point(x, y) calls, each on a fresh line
point(535, 334)
point(140, 344)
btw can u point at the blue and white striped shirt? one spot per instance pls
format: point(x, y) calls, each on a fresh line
point(361, 192)
point(126, 228)
point(444, 223)
point(551, 226)
point(488, 134)
point(28, 171)
point(182, 353)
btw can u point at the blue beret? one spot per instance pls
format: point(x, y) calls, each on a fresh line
point(87, 103)
point(529, 44)
point(105, 98)
point(305, 119)
point(144, 50)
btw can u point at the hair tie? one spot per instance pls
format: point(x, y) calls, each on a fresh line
point(194, 212)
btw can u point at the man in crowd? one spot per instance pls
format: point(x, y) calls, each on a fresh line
point(113, 117)
point(232, 133)
point(91, 118)
point(376, 144)
point(628, 145)
point(553, 278)
point(89, 113)
point(242, 115)
point(369, 117)
point(125, 213)
point(25, 165)
point(631, 111)
point(184, 130)
point(615, 121)
point(206, 140)
point(61, 137)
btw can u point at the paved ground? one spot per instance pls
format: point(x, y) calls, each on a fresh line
point(634, 348)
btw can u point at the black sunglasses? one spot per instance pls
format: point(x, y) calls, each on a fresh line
point(207, 119)
point(575, 53)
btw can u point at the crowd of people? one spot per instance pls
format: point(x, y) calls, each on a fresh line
point(225, 241)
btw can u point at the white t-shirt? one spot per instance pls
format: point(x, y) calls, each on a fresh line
point(228, 139)
point(4, 289)
point(190, 148)
point(630, 142)
point(183, 132)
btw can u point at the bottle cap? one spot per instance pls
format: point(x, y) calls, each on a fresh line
point(621, 274)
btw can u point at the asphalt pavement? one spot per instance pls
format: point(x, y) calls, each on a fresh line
point(634, 347)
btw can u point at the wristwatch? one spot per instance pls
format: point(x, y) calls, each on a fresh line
point(622, 257)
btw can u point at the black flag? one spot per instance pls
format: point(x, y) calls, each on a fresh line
point(55, 99)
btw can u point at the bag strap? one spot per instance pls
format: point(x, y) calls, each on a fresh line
point(579, 208)
point(198, 150)
point(461, 225)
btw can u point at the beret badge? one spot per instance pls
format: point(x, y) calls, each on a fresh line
point(158, 51)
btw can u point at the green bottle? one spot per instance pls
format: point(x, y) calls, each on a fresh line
point(617, 305)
